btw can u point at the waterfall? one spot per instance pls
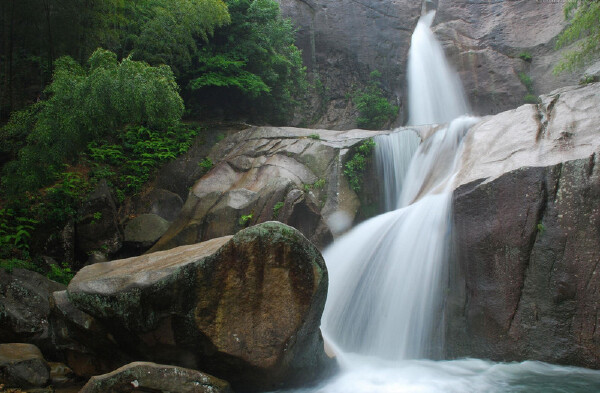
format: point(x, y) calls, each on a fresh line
point(382, 314)
point(385, 274)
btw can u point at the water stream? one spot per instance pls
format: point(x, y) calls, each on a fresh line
point(383, 315)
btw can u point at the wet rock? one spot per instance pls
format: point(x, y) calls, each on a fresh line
point(60, 374)
point(245, 308)
point(23, 366)
point(98, 229)
point(144, 376)
point(81, 341)
point(289, 174)
point(25, 308)
point(163, 203)
point(524, 283)
point(342, 42)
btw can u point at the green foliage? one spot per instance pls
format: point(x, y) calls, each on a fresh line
point(251, 66)
point(526, 81)
point(276, 209)
point(530, 97)
point(525, 56)
point(356, 165)
point(319, 184)
point(171, 31)
point(129, 164)
point(585, 79)
point(584, 27)
point(85, 105)
point(206, 164)
point(373, 108)
point(15, 232)
point(245, 219)
point(8, 265)
point(60, 274)
point(315, 136)
point(541, 228)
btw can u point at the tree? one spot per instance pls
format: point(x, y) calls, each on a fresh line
point(170, 31)
point(85, 105)
point(584, 27)
point(251, 67)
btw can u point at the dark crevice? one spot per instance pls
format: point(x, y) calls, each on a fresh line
point(543, 116)
point(592, 165)
point(532, 240)
point(557, 183)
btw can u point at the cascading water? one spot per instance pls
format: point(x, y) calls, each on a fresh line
point(385, 275)
point(384, 306)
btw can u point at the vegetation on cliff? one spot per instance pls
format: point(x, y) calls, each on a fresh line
point(584, 28)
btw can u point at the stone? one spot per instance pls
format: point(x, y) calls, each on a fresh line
point(97, 228)
point(158, 201)
point(60, 374)
point(144, 230)
point(25, 308)
point(146, 376)
point(245, 308)
point(81, 341)
point(260, 167)
point(524, 282)
point(23, 366)
point(342, 42)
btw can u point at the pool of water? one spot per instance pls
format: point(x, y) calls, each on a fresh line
point(361, 374)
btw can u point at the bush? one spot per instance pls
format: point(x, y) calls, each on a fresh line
point(374, 109)
point(355, 167)
point(584, 26)
point(86, 105)
point(525, 56)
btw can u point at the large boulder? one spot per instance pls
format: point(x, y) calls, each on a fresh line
point(25, 308)
point(81, 341)
point(525, 282)
point(144, 376)
point(245, 308)
point(23, 366)
point(293, 175)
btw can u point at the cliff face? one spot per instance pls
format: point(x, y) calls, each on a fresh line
point(343, 41)
point(524, 282)
point(487, 41)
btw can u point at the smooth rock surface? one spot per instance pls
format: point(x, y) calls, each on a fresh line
point(525, 282)
point(260, 167)
point(145, 229)
point(23, 366)
point(245, 308)
point(145, 376)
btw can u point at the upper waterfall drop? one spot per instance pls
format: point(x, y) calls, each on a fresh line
point(435, 92)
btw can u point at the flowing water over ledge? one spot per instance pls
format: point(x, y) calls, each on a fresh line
point(384, 312)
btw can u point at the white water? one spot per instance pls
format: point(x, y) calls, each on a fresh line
point(384, 310)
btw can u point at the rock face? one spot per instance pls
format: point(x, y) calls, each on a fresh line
point(245, 308)
point(293, 175)
point(98, 229)
point(343, 41)
point(143, 376)
point(525, 284)
point(23, 366)
point(81, 341)
point(25, 307)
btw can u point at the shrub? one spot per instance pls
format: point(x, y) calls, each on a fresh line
point(276, 209)
point(373, 108)
point(355, 167)
point(525, 56)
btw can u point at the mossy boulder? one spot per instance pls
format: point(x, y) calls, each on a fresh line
point(145, 376)
point(245, 308)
